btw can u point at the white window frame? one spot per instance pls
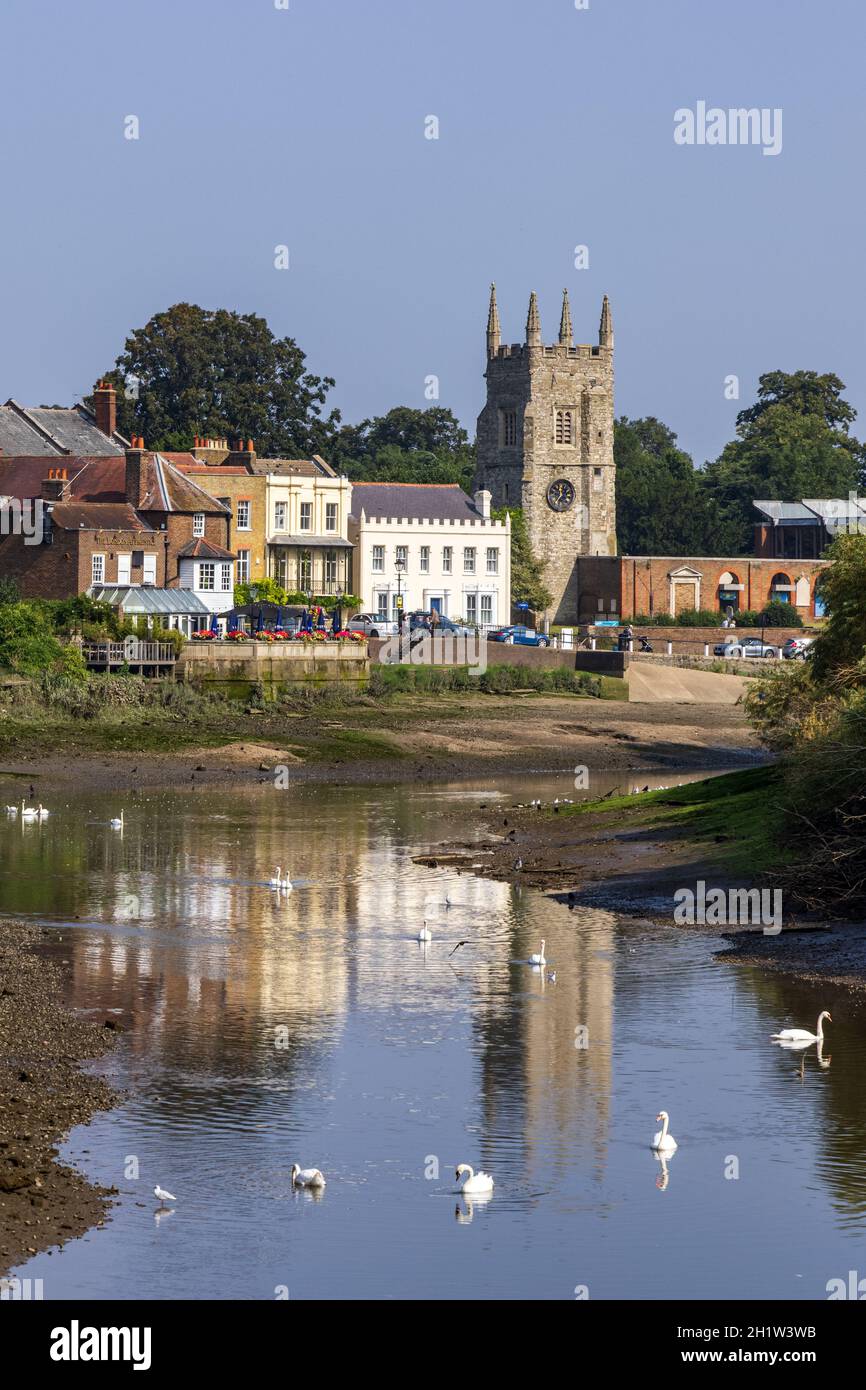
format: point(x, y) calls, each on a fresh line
point(377, 561)
point(148, 569)
point(332, 516)
point(493, 559)
point(97, 578)
point(471, 601)
point(401, 552)
point(243, 567)
point(485, 608)
point(198, 523)
point(306, 516)
point(424, 559)
point(124, 561)
point(225, 579)
point(206, 569)
point(447, 559)
point(469, 559)
point(247, 513)
point(281, 514)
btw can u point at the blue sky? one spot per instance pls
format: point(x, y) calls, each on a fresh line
point(305, 127)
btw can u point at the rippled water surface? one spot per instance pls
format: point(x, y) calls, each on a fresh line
point(263, 1030)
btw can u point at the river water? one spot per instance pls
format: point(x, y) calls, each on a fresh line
point(263, 1029)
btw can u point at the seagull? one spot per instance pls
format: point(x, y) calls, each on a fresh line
point(457, 948)
point(163, 1196)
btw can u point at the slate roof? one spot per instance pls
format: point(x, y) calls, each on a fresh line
point(167, 489)
point(201, 549)
point(54, 430)
point(97, 516)
point(414, 501)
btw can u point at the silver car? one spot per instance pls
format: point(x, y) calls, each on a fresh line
point(748, 647)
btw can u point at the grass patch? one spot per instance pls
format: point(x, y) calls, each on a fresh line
point(740, 813)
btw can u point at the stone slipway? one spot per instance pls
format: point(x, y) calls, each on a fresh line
point(651, 684)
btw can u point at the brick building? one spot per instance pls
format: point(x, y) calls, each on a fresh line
point(625, 586)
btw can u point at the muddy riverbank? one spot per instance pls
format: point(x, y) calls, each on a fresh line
point(44, 1092)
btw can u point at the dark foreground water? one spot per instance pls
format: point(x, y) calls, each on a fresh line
point(263, 1030)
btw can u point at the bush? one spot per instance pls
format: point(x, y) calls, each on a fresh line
point(28, 645)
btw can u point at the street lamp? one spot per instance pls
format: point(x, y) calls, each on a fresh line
point(399, 565)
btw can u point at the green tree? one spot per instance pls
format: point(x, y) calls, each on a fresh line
point(28, 644)
point(267, 590)
point(841, 646)
point(406, 446)
point(527, 584)
point(660, 509)
point(793, 442)
point(218, 373)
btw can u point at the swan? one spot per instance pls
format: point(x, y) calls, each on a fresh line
point(12, 810)
point(116, 822)
point(425, 934)
point(163, 1196)
point(802, 1035)
point(307, 1177)
point(538, 957)
point(663, 1143)
point(41, 813)
point(29, 812)
point(277, 880)
point(476, 1182)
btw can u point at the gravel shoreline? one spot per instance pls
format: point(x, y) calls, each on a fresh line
point(44, 1092)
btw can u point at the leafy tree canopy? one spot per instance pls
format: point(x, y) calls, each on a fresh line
point(220, 374)
point(793, 443)
point(659, 505)
point(527, 585)
point(842, 644)
point(406, 446)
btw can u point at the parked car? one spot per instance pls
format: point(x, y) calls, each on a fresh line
point(520, 636)
point(421, 621)
point(371, 625)
point(748, 647)
point(797, 648)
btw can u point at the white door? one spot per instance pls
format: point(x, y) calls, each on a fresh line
point(124, 566)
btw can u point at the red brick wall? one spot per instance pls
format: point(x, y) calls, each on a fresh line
point(64, 568)
point(178, 529)
point(627, 585)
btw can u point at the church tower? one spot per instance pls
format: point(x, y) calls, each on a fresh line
point(545, 443)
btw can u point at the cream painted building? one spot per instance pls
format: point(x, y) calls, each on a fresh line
point(435, 547)
point(307, 527)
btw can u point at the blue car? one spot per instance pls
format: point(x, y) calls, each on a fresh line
point(519, 636)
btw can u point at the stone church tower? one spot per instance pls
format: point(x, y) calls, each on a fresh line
point(545, 443)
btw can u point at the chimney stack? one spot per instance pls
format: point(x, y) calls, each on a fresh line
point(105, 407)
point(482, 503)
point(55, 488)
point(135, 472)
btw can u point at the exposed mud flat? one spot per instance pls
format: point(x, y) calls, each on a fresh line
point(44, 1092)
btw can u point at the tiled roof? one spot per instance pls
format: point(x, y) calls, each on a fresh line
point(97, 516)
point(91, 479)
point(201, 549)
point(316, 467)
point(54, 430)
point(414, 501)
point(166, 489)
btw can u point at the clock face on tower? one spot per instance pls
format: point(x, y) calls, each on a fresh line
point(560, 495)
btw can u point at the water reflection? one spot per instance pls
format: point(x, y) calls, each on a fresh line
point(267, 1027)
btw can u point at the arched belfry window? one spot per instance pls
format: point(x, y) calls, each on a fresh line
point(564, 430)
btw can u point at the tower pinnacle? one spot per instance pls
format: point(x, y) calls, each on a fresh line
point(493, 330)
point(566, 332)
point(533, 323)
point(605, 327)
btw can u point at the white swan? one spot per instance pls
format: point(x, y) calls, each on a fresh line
point(538, 957)
point(277, 880)
point(116, 822)
point(476, 1182)
point(29, 812)
point(41, 813)
point(307, 1177)
point(802, 1035)
point(425, 934)
point(663, 1143)
point(12, 810)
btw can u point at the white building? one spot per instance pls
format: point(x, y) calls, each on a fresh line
point(208, 570)
point(435, 547)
